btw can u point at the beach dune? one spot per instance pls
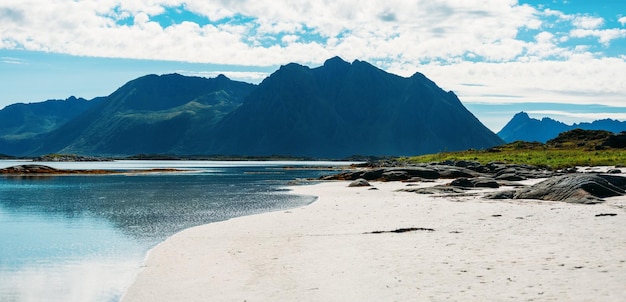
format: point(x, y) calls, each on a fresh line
point(359, 244)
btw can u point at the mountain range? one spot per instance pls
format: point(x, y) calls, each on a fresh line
point(524, 128)
point(333, 111)
point(20, 121)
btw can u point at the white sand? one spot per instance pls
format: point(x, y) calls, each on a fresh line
point(480, 250)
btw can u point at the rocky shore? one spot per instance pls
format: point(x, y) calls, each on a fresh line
point(569, 185)
point(70, 158)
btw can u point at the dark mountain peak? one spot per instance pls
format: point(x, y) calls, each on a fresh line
point(521, 116)
point(452, 95)
point(154, 80)
point(548, 120)
point(340, 109)
point(160, 92)
point(336, 66)
point(284, 75)
point(335, 61)
point(421, 79)
point(291, 66)
point(286, 72)
point(222, 77)
point(362, 63)
point(171, 75)
point(363, 66)
point(151, 76)
point(419, 76)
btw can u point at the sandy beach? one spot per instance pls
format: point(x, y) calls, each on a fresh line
point(461, 249)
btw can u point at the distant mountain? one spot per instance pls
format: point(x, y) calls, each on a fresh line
point(342, 109)
point(524, 128)
point(22, 121)
point(332, 111)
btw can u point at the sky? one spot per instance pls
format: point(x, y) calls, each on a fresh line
point(550, 58)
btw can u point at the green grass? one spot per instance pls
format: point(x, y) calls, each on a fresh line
point(554, 159)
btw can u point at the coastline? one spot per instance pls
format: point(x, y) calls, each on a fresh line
point(464, 248)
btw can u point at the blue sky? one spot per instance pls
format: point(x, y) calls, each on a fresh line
point(562, 59)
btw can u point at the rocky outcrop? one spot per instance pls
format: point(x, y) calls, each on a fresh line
point(69, 158)
point(441, 189)
point(574, 188)
point(478, 182)
point(43, 170)
point(359, 183)
point(616, 141)
point(387, 174)
point(566, 185)
point(29, 169)
point(447, 170)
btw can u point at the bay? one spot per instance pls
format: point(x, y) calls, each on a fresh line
point(84, 237)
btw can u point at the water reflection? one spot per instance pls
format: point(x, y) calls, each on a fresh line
point(151, 207)
point(82, 238)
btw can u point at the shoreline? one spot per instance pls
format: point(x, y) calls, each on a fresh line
point(463, 248)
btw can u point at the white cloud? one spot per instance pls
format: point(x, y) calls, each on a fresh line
point(604, 36)
point(416, 30)
point(446, 40)
point(587, 22)
point(582, 80)
point(622, 20)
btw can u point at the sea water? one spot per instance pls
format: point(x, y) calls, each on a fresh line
point(84, 237)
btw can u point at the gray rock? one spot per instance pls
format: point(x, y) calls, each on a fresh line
point(372, 174)
point(359, 183)
point(343, 176)
point(615, 180)
point(423, 172)
point(455, 172)
point(395, 175)
point(462, 182)
point(466, 164)
point(501, 195)
point(419, 179)
point(510, 177)
point(575, 188)
point(485, 182)
point(478, 182)
point(435, 190)
point(28, 169)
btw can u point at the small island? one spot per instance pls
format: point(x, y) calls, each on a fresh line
point(43, 170)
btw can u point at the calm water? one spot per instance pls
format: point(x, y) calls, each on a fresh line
point(83, 238)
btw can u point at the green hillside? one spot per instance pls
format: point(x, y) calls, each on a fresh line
point(572, 148)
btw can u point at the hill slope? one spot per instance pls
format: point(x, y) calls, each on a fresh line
point(342, 109)
point(151, 114)
point(21, 121)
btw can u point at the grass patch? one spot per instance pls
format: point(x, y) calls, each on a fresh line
point(554, 159)
point(570, 149)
